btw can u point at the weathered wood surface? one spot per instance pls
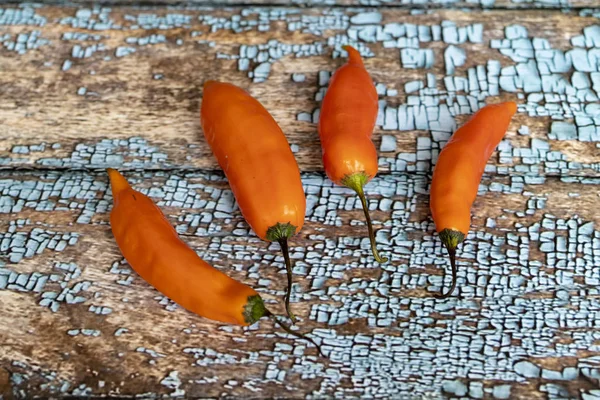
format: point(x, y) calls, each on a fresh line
point(427, 4)
point(83, 89)
point(92, 93)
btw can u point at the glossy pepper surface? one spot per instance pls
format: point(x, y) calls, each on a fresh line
point(152, 247)
point(458, 172)
point(261, 169)
point(346, 123)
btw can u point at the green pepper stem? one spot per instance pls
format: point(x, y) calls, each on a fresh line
point(280, 233)
point(452, 254)
point(254, 309)
point(291, 332)
point(288, 267)
point(451, 239)
point(356, 182)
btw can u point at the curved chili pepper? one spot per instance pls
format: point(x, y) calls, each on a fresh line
point(458, 172)
point(346, 123)
point(152, 247)
point(259, 164)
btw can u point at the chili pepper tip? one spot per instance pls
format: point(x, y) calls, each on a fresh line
point(353, 55)
point(118, 183)
point(208, 83)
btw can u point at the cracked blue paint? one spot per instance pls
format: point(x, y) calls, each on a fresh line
point(23, 42)
point(484, 343)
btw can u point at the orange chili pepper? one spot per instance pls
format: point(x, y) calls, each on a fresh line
point(259, 164)
point(458, 172)
point(154, 250)
point(346, 123)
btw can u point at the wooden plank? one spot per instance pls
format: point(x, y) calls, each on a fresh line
point(82, 89)
point(418, 4)
point(123, 87)
point(531, 287)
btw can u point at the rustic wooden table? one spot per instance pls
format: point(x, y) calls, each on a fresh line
point(83, 88)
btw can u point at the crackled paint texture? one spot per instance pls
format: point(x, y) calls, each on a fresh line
point(524, 321)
